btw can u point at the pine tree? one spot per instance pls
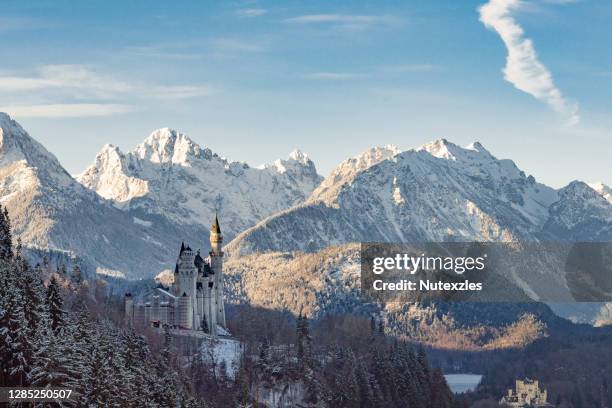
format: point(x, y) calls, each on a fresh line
point(76, 278)
point(372, 327)
point(34, 305)
point(241, 385)
point(381, 327)
point(166, 387)
point(265, 356)
point(440, 394)
point(54, 305)
point(7, 309)
point(135, 355)
point(52, 365)
point(15, 341)
point(366, 394)
point(343, 379)
point(6, 238)
point(304, 342)
point(94, 387)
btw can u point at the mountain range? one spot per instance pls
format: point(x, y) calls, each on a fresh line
point(127, 213)
point(436, 193)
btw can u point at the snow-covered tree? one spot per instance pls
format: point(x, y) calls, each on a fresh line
point(6, 237)
point(55, 304)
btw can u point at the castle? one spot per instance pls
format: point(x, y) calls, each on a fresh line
point(526, 394)
point(195, 299)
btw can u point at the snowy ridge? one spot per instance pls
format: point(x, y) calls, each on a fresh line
point(438, 192)
point(604, 190)
point(346, 171)
point(581, 214)
point(170, 176)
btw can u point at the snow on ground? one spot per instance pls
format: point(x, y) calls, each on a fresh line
point(110, 272)
point(222, 349)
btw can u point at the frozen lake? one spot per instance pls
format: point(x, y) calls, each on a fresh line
point(459, 383)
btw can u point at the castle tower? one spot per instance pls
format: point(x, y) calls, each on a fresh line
point(185, 312)
point(216, 264)
point(185, 285)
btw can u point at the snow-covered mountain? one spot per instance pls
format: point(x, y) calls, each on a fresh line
point(437, 192)
point(581, 214)
point(170, 176)
point(137, 206)
point(53, 213)
point(145, 202)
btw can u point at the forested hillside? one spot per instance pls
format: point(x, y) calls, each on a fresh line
point(58, 330)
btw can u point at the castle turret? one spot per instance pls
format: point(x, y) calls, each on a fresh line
point(216, 264)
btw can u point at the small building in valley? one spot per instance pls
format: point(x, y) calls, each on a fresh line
point(527, 394)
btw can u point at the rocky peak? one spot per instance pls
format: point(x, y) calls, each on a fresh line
point(604, 190)
point(300, 157)
point(17, 145)
point(168, 146)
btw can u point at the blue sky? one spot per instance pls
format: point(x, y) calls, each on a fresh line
point(253, 80)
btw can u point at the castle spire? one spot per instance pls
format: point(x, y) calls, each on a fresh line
point(216, 238)
point(215, 227)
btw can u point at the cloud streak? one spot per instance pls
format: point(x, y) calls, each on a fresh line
point(413, 68)
point(523, 68)
point(251, 12)
point(65, 110)
point(343, 21)
point(77, 90)
point(338, 76)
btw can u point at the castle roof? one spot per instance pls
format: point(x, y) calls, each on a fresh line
point(215, 227)
point(198, 260)
point(207, 270)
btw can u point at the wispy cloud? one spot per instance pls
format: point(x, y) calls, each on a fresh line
point(65, 110)
point(78, 90)
point(413, 68)
point(523, 68)
point(344, 21)
point(178, 91)
point(79, 81)
point(76, 80)
point(161, 51)
point(251, 12)
point(338, 76)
